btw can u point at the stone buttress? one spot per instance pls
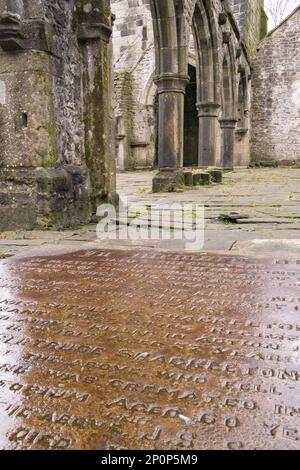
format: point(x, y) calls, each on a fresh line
point(55, 115)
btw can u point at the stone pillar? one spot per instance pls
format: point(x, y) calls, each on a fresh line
point(171, 91)
point(208, 113)
point(228, 126)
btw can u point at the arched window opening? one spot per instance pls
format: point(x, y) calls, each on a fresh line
point(191, 126)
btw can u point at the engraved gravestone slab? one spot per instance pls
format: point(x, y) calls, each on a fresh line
point(112, 350)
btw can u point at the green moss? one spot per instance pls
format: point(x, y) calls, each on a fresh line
point(43, 84)
point(263, 24)
point(97, 130)
point(126, 81)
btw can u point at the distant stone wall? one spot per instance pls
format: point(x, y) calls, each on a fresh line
point(276, 95)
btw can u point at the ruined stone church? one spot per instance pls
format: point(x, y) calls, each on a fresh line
point(91, 86)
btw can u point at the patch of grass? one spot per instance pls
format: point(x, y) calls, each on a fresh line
point(17, 235)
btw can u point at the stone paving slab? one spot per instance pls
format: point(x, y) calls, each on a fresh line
point(138, 350)
point(263, 246)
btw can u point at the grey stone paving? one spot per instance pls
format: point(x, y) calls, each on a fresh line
point(265, 203)
point(269, 198)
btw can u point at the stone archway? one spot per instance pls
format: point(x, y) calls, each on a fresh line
point(56, 80)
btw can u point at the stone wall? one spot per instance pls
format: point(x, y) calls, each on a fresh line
point(276, 94)
point(54, 164)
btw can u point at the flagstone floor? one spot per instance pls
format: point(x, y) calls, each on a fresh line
point(266, 203)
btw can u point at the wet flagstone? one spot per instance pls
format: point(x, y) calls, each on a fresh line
point(116, 350)
point(268, 197)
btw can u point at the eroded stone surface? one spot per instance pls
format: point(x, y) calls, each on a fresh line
point(107, 350)
point(56, 164)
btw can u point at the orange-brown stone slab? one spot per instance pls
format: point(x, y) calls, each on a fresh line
point(113, 350)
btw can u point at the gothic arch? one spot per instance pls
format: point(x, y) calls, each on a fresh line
point(15, 6)
point(227, 89)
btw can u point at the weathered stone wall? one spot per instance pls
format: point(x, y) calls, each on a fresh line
point(50, 174)
point(276, 95)
point(134, 67)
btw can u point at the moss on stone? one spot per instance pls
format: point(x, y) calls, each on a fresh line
point(42, 83)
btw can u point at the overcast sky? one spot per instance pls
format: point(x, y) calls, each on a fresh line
point(292, 5)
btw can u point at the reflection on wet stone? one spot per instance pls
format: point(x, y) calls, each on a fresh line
point(105, 350)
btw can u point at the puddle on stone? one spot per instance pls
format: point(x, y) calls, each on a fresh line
point(115, 350)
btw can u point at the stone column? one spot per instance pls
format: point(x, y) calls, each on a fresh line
point(228, 126)
point(171, 91)
point(208, 113)
point(94, 35)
